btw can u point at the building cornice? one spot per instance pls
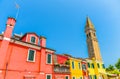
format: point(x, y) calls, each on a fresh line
point(26, 44)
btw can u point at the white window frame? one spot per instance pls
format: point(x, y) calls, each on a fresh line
point(31, 37)
point(66, 76)
point(50, 75)
point(28, 56)
point(47, 58)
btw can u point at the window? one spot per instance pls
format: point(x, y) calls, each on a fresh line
point(87, 35)
point(66, 77)
point(31, 55)
point(72, 64)
point(95, 77)
point(94, 34)
point(32, 40)
point(103, 66)
point(88, 65)
point(73, 78)
point(83, 67)
point(98, 65)
point(79, 65)
point(92, 65)
point(80, 77)
point(48, 76)
point(90, 34)
point(49, 59)
point(90, 77)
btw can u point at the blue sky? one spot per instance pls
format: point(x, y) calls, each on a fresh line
point(63, 22)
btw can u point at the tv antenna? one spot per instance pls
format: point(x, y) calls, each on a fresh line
point(18, 8)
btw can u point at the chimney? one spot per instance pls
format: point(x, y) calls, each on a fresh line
point(42, 41)
point(9, 27)
point(5, 43)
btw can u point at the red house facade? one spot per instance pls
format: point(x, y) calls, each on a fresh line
point(24, 57)
point(85, 69)
point(61, 68)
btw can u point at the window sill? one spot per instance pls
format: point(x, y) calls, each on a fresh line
point(49, 63)
point(30, 61)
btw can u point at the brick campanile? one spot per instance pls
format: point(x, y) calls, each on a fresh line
point(92, 42)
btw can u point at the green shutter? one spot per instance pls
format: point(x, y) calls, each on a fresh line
point(103, 66)
point(73, 77)
point(79, 65)
point(48, 77)
point(72, 64)
point(49, 59)
point(92, 65)
point(98, 65)
point(33, 39)
point(31, 55)
point(80, 77)
point(66, 77)
point(95, 77)
point(88, 65)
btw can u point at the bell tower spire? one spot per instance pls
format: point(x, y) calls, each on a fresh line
point(89, 23)
point(92, 42)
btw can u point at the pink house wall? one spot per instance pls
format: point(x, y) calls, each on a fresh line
point(61, 76)
point(18, 58)
point(61, 59)
point(18, 66)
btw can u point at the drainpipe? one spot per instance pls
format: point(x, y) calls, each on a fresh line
point(6, 69)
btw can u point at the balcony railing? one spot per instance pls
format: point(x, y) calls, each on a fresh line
point(61, 69)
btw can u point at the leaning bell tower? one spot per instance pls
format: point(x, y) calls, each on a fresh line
point(92, 42)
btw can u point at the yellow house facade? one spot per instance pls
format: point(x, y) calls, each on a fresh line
point(91, 68)
point(96, 69)
point(76, 68)
point(100, 69)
